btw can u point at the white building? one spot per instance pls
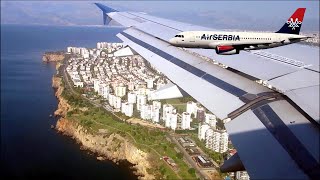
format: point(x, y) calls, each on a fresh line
point(146, 111)
point(110, 99)
point(131, 86)
point(242, 175)
point(186, 119)
point(149, 83)
point(78, 83)
point(217, 140)
point(127, 109)
point(106, 91)
point(155, 114)
point(132, 97)
point(142, 91)
point(141, 100)
point(171, 120)
point(224, 141)
point(211, 120)
point(116, 102)
point(192, 108)
point(96, 84)
point(156, 104)
point(120, 91)
point(167, 108)
point(202, 131)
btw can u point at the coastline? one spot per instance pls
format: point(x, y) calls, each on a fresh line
point(108, 145)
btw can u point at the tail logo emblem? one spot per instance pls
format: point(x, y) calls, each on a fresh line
point(294, 24)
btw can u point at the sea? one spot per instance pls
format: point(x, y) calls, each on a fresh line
point(30, 149)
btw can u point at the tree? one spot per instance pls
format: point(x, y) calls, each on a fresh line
point(191, 171)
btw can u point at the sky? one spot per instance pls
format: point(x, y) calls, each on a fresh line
point(243, 15)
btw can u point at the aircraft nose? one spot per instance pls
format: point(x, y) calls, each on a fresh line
point(172, 41)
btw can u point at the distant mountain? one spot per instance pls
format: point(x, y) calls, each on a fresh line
point(86, 13)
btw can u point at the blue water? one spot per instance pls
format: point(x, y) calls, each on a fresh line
point(30, 149)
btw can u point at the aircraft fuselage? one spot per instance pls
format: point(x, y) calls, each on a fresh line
point(242, 40)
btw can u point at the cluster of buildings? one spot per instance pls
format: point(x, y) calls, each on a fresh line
point(215, 139)
point(126, 81)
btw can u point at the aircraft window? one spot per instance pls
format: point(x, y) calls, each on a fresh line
point(176, 35)
point(182, 36)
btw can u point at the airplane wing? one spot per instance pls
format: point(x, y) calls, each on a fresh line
point(274, 124)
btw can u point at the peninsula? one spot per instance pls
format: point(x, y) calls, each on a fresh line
point(103, 96)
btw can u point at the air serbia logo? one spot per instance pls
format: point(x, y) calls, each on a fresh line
point(294, 24)
point(220, 37)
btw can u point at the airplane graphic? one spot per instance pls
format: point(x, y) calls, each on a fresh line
point(229, 43)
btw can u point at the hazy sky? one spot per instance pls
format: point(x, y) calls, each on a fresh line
point(256, 15)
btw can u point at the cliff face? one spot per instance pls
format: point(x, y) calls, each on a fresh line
point(113, 147)
point(63, 106)
point(53, 56)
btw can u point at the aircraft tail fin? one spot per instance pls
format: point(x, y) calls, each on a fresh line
point(105, 10)
point(294, 23)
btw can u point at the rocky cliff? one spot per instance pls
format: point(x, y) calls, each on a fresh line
point(109, 145)
point(53, 56)
point(63, 106)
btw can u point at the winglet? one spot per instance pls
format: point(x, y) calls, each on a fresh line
point(294, 23)
point(105, 10)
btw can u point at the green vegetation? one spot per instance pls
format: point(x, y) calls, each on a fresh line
point(179, 103)
point(148, 140)
point(75, 100)
point(192, 171)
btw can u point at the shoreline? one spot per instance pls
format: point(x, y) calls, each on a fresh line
point(109, 146)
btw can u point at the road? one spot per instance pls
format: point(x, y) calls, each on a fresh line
point(188, 158)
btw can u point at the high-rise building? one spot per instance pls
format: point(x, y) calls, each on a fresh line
point(211, 120)
point(110, 99)
point(242, 175)
point(149, 83)
point(217, 140)
point(106, 91)
point(202, 130)
point(145, 112)
point(200, 114)
point(224, 141)
point(171, 120)
point(141, 100)
point(117, 102)
point(96, 83)
point(127, 109)
point(155, 114)
point(132, 97)
point(186, 119)
point(190, 107)
point(120, 91)
point(167, 108)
